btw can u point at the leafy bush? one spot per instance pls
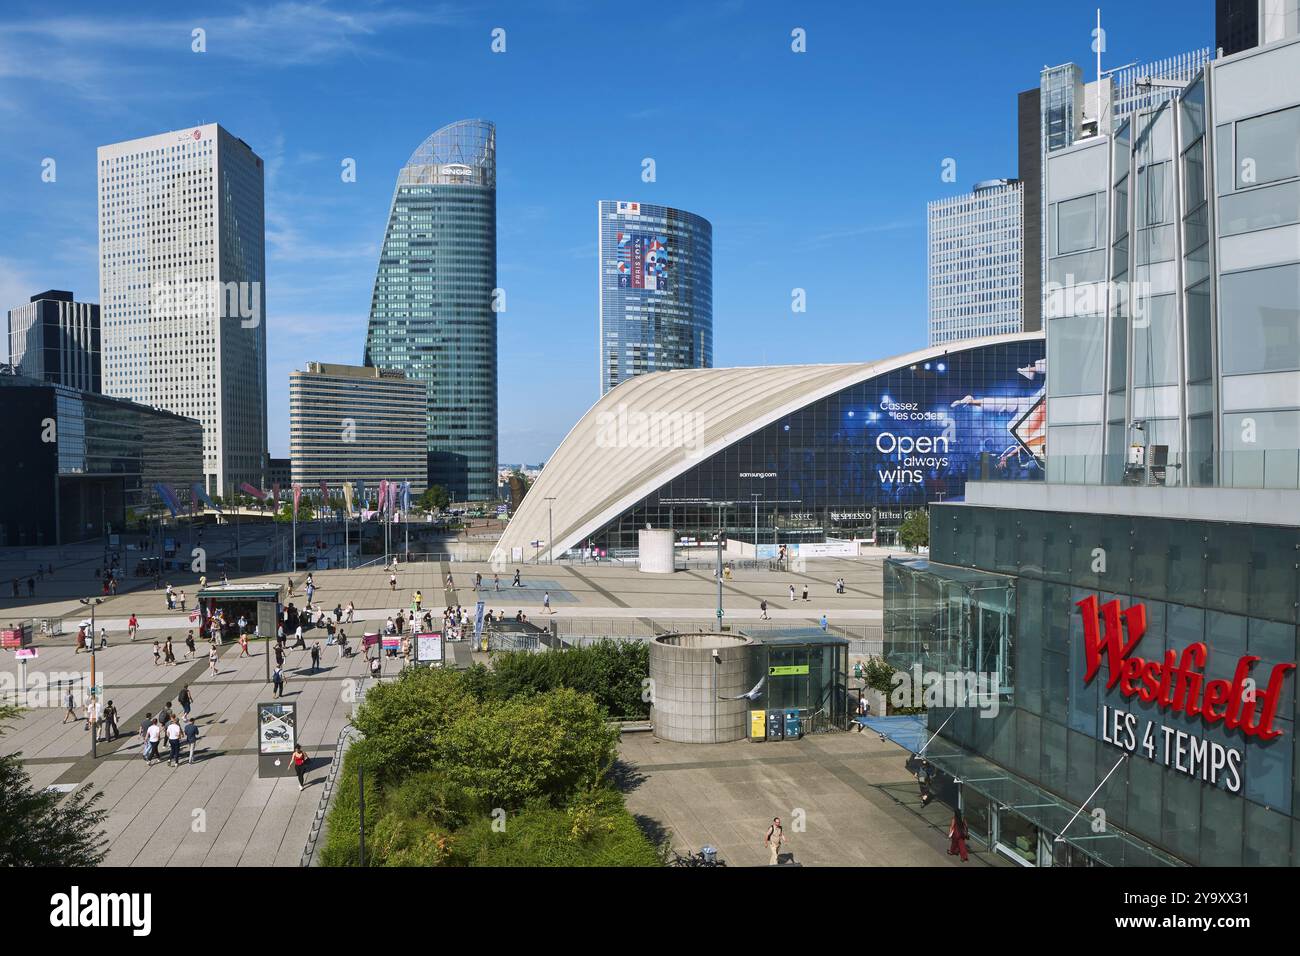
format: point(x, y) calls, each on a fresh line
point(553, 746)
point(596, 830)
point(404, 720)
point(610, 671)
point(343, 833)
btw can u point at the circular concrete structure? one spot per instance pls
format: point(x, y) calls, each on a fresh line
point(655, 550)
point(687, 681)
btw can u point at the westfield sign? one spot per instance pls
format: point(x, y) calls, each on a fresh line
point(1177, 682)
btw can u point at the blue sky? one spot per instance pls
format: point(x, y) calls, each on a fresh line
point(814, 168)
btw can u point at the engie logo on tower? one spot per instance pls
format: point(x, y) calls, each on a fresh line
point(76, 909)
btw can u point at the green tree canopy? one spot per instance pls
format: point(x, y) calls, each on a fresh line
point(43, 827)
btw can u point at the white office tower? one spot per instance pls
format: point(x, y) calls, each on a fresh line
point(182, 292)
point(976, 258)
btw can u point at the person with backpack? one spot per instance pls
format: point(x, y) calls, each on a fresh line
point(774, 840)
point(110, 722)
point(277, 681)
point(186, 699)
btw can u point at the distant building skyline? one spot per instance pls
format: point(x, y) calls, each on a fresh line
point(182, 273)
point(976, 262)
point(655, 267)
point(433, 310)
point(355, 423)
point(55, 338)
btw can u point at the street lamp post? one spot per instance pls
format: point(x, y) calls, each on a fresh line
point(550, 533)
point(755, 495)
point(94, 731)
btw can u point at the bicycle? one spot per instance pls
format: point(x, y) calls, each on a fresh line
point(698, 859)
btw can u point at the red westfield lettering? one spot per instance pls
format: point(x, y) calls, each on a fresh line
point(1178, 682)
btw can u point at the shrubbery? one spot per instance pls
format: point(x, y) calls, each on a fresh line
point(488, 767)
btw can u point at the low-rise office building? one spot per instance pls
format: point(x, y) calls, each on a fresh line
point(79, 464)
point(354, 423)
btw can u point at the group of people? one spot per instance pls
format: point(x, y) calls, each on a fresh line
point(168, 727)
point(175, 599)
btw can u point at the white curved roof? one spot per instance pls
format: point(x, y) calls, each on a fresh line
point(652, 428)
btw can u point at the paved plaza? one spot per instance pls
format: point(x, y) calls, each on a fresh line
point(849, 792)
point(218, 812)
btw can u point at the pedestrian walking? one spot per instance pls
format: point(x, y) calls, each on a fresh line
point(392, 582)
point(190, 650)
point(110, 722)
point(185, 698)
point(70, 705)
point(157, 653)
point(103, 637)
point(279, 656)
point(277, 681)
point(516, 583)
point(315, 657)
point(168, 653)
point(805, 592)
point(825, 624)
point(774, 840)
point(92, 715)
point(212, 659)
point(957, 834)
point(496, 582)
point(451, 585)
point(243, 646)
point(762, 606)
point(418, 599)
point(152, 735)
point(299, 761)
point(792, 592)
point(546, 602)
point(351, 610)
point(132, 626)
point(191, 736)
point(174, 734)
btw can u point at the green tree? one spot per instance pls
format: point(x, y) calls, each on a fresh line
point(915, 530)
point(435, 498)
point(406, 720)
point(42, 827)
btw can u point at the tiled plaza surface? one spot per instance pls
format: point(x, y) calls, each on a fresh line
point(844, 800)
point(219, 812)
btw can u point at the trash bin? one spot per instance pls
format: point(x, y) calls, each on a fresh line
point(710, 854)
point(775, 725)
point(793, 724)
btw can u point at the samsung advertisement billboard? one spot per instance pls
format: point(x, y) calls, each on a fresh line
point(897, 441)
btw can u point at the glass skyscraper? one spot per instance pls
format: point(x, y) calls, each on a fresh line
point(656, 291)
point(432, 312)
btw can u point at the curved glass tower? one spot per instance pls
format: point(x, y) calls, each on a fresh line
point(656, 290)
point(431, 313)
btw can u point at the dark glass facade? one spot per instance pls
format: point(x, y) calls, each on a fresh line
point(1232, 587)
point(79, 461)
point(858, 460)
point(433, 311)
